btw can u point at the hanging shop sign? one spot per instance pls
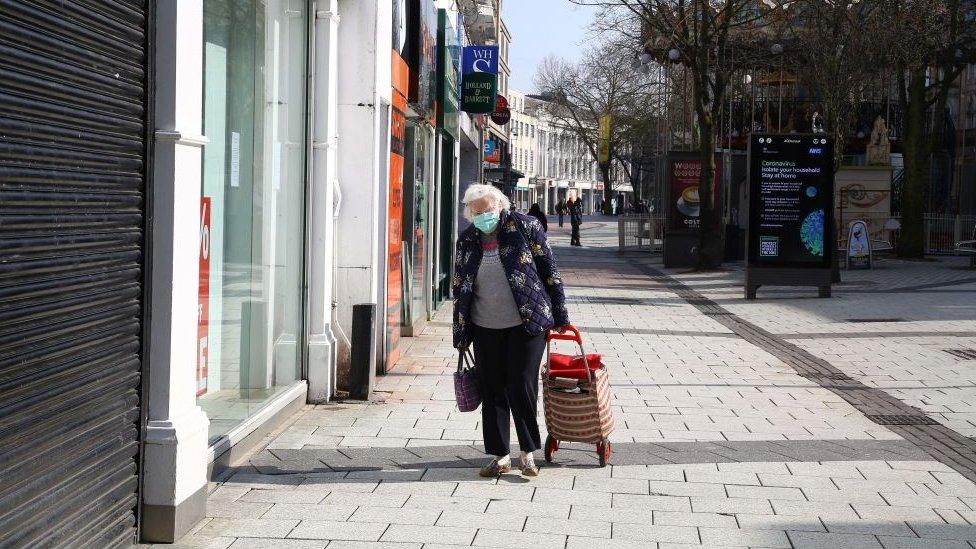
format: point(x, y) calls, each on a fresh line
point(493, 152)
point(858, 246)
point(479, 79)
point(478, 92)
point(480, 59)
point(502, 114)
point(501, 117)
point(791, 190)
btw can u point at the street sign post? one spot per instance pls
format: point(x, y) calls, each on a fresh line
point(791, 193)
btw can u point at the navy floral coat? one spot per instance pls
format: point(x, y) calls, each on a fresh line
point(532, 275)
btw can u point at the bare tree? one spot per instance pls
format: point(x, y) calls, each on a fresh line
point(933, 40)
point(838, 49)
point(602, 83)
point(712, 39)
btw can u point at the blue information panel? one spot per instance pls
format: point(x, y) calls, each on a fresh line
point(791, 200)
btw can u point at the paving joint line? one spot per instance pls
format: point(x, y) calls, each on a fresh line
point(958, 451)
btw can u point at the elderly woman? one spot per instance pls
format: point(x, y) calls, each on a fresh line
point(508, 295)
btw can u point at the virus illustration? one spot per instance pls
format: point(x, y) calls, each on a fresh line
point(812, 232)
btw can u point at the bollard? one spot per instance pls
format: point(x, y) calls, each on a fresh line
point(362, 355)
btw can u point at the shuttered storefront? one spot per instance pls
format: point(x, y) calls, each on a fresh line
point(72, 209)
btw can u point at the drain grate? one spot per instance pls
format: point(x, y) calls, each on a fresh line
point(867, 320)
point(965, 354)
point(913, 419)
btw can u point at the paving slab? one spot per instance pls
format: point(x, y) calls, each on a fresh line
point(739, 424)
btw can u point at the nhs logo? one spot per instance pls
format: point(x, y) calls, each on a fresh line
point(483, 59)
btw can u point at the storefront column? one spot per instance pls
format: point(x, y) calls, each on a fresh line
point(363, 115)
point(321, 212)
point(174, 476)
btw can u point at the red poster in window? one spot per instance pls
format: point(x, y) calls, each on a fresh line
point(203, 305)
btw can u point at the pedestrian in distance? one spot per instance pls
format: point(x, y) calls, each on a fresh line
point(536, 212)
point(508, 294)
point(561, 211)
point(575, 207)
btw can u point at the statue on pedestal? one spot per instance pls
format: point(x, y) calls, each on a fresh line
point(879, 149)
point(816, 124)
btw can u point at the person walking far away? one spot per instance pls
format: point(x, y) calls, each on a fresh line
point(536, 212)
point(575, 207)
point(508, 294)
point(560, 211)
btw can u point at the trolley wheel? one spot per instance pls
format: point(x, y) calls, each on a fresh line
point(603, 451)
point(551, 446)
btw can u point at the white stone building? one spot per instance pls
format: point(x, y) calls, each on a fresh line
point(555, 161)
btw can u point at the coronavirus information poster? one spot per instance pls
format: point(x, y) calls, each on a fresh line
point(791, 182)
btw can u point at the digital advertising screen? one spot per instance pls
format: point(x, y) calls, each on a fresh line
point(791, 183)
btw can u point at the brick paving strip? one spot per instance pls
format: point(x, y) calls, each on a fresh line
point(942, 443)
point(872, 335)
point(305, 461)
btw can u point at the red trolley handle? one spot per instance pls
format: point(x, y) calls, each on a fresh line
point(573, 335)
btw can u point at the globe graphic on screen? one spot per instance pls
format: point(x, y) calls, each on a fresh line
point(812, 232)
point(811, 191)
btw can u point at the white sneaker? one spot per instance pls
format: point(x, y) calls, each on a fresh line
point(528, 465)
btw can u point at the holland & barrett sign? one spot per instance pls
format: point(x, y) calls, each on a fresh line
point(479, 80)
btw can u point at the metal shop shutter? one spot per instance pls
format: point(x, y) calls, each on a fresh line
point(73, 107)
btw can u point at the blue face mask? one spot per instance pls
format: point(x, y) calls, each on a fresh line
point(486, 222)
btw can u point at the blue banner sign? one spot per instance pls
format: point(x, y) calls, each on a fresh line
point(483, 59)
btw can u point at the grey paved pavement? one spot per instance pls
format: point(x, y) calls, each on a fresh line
point(739, 424)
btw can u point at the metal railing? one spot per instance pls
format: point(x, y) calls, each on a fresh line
point(942, 232)
point(640, 232)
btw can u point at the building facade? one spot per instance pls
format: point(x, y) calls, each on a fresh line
point(555, 162)
point(197, 197)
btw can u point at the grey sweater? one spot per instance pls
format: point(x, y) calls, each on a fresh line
point(494, 305)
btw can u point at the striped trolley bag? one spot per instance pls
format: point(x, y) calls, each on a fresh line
point(576, 398)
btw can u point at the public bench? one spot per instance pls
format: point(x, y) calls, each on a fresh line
point(968, 247)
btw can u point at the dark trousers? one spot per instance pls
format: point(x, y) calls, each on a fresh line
point(508, 363)
point(574, 239)
point(560, 220)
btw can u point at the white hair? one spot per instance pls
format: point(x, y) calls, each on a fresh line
point(478, 192)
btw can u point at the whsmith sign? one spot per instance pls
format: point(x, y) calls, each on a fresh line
point(479, 79)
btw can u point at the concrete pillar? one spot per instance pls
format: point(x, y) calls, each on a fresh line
point(324, 65)
point(174, 492)
point(364, 97)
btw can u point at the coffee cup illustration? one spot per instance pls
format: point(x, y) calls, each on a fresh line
point(689, 203)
